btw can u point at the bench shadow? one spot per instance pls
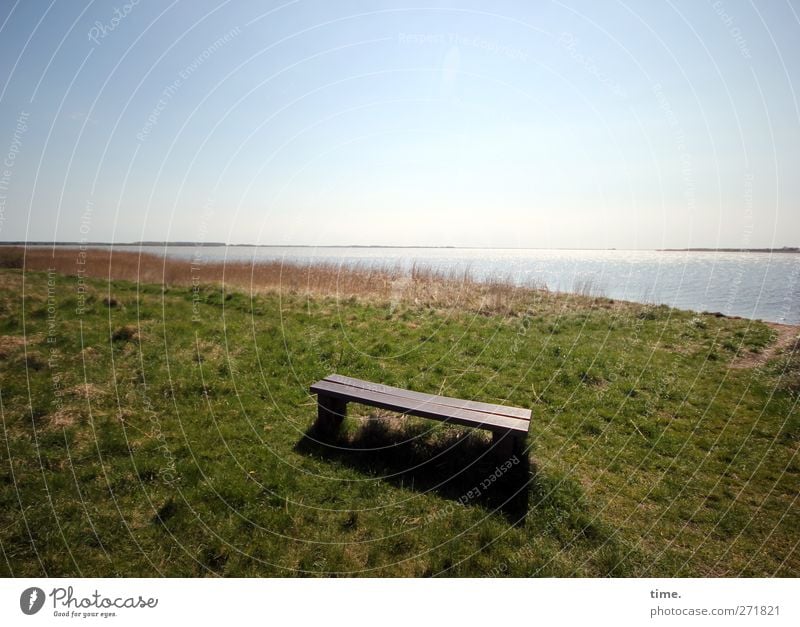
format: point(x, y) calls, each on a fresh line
point(456, 465)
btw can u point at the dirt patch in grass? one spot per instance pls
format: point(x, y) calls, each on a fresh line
point(63, 418)
point(786, 335)
point(89, 352)
point(88, 391)
point(10, 343)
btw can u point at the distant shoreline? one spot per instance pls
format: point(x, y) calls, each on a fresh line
point(783, 249)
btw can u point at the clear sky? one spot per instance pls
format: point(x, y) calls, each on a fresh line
point(579, 124)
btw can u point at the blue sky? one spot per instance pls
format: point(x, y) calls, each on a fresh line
point(499, 124)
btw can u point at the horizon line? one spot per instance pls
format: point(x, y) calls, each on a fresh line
point(180, 243)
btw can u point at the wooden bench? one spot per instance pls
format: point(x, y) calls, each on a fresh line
point(509, 425)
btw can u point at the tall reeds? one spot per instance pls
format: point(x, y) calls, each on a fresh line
point(420, 285)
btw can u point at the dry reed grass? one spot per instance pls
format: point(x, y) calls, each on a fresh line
point(420, 286)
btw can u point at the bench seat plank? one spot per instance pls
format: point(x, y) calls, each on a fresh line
point(423, 408)
point(446, 401)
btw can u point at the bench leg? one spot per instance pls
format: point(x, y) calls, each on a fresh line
point(330, 413)
point(507, 444)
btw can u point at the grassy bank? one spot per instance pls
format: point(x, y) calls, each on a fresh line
point(153, 430)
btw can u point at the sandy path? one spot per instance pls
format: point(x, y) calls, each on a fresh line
point(787, 334)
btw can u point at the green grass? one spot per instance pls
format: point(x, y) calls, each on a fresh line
point(137, 441)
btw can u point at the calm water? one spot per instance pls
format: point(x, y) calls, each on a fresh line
point(751, 285)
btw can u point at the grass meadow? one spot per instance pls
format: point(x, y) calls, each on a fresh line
point(156, 422)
